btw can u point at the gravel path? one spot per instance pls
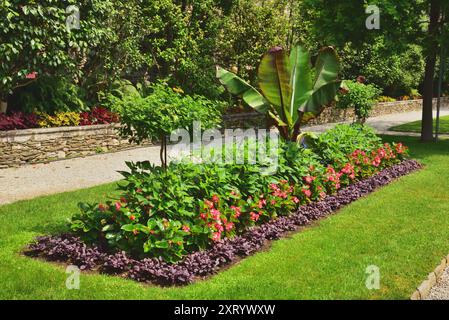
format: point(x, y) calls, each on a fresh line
point(441, 290)
point(42, 179)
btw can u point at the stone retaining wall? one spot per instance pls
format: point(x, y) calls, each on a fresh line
point(19, 147)
point(337, 115)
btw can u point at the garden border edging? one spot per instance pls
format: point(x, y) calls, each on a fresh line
point(423, 290)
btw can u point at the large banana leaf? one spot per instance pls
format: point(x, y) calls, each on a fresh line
point(240, 87)
point(301, 79)
point(326, 82)
point(274, 81)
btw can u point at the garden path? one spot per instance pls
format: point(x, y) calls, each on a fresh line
point(66, 175)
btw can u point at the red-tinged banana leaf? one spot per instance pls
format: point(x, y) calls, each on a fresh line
point(274, 82)
point(240, 87)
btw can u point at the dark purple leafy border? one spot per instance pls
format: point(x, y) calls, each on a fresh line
point(70, 249)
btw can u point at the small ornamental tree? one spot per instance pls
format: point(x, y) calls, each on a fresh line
point(292, 91)
point(163, 111)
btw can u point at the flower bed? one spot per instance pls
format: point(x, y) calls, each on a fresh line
point(20, 120)
point(71, 249)
point(165, 216)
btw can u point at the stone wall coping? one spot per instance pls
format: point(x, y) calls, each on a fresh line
point(35, 131)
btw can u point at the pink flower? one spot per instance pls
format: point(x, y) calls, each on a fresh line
point(307, 193)
point(229, 226)
point(254, 216)
point(352, 176)
point(139, 190)
point(309, 179)
point(237, 211)
point(203, 216)
point(209, 204)
point(262, 203)
point(185, 228)
point(322, 195)
point(31, 75)
point(216, 236)
point(273, 202)
point(215, 214)
point(215, 198)
point(295, 200)
point(219, 227)
point(118, 206)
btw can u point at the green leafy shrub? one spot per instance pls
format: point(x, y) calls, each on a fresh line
point(336, 143)
point(50, 95)
point(361, 97)
point(168, 213)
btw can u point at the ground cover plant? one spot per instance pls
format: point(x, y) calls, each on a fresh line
point(402, 228)
point(164, 215)
point(415, 126)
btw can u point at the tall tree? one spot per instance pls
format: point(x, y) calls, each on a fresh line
point(402, 22)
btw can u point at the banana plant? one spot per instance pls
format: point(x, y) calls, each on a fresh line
point(292, 91)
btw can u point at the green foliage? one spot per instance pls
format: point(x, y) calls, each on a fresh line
point(292, 91)
point(34, 38)
point(335, 144)
point(164, 111)
point(50, 95)
point(185, 207)
point(397, 72)
point(361, 97)
point(250, 28)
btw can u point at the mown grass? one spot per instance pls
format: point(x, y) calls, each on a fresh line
point(402, 228)
point(415, 126)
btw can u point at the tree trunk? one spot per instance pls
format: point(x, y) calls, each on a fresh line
point(3, 106)
point(427, 116)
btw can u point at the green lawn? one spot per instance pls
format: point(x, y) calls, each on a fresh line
point(416, 126)
point(402, 228)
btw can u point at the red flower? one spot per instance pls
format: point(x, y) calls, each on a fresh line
point(118, 206)
point(139, 190)
point(215, 198)
point(102, 207)
point(123, 200)
point(216, 236)
point(132, 217)
point(203, 216)
point(135, 232)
